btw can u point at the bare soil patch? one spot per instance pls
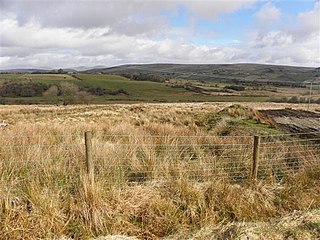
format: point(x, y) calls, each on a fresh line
point(291, 120)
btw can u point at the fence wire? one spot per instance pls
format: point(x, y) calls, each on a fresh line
point(122, 160)
point(48, 161)
point(127, 159)
point(280, 156)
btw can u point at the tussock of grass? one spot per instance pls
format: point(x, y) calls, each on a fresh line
point(296, 225)
point(43, 195)
point(150, 211)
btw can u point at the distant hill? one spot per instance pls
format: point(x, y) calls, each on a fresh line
point(238, 74)
point(162, 83)
point(35, 70)
point(230, 73)
point(47, 70)
point(23, 70)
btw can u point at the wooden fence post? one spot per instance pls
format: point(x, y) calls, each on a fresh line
point(89, 161)
point(255, 158)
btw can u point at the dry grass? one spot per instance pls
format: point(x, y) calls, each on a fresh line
point(148, 212)
point(296, 225)
point(43, 193)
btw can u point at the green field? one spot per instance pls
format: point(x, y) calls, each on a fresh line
point(162, 83)
point(138, 91)
point(219, 73)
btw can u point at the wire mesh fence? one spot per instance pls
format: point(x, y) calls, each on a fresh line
point(122, 160)
point(136, 159)
point(54, 161)
point(281, 156)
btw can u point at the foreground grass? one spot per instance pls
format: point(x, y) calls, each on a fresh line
point(38, 200)
point(296, 225)
point(149, 212)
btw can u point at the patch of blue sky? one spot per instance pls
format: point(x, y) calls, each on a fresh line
point(225, 29)
point(178, 19)
point(231, 28)
point(294, 7)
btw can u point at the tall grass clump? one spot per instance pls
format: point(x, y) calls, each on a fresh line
point(152, 180)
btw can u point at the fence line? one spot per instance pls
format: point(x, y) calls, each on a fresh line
point(122, 159)
point(170, 136)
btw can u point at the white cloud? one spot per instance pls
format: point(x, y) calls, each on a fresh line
point(297, 43)
point(52, 47)
point(268, 14)
point(53, 34)
point(101, 13)
point(209, 10)
point(307, 23)
point(281, 48)
point(273, 38)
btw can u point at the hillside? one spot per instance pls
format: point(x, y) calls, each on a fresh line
point(161, 83)
point(256, 74)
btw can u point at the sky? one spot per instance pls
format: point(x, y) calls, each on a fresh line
point(70, 33)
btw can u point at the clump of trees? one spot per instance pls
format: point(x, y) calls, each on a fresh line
point(145, 77)
point(99, 91)
point(235, 87)
point(53, 91)
point(294, 99)
point(66, 92)
point(23, 89)
point(70, 93)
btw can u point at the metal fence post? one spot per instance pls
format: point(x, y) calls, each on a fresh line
point(255, 158)
point(89, 161)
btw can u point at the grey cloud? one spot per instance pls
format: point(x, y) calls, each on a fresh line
point(307, 24)
point(210, 10)
point(64, 34)
point(268, 13)
point(275, 38)
point(101, 13)
point(81, 14)
point(19, 51)
point(136, 26)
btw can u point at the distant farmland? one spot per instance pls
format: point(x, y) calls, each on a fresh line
point(163, 83)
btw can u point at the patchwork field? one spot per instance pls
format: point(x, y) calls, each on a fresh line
point(65, 89)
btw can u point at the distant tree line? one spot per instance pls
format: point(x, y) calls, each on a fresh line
point(197, 89)
point(235, 87)
point(294, 99)
point(99, 91)
point(59, 71)
point(66, 92)
point(270, 83)
point(23, 89)
point(145, 77)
